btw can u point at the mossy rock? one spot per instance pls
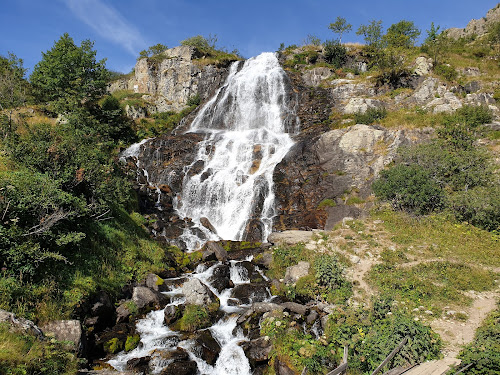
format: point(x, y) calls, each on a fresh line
point(132, 342)
point(113, 346)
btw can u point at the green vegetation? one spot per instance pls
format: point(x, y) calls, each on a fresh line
point(24, 354)
point(449, 173)
point(370, 116)
point(212, 54)
point(194, 317)
point(132, 342)
point(340, 26)
point(68, 75)
point(155, 50)
point(483, 354)
point(335, 53)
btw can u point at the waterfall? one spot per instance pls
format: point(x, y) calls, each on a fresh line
point(247, 127)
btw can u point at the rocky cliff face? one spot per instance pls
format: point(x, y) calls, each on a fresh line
point(170, 80)
point(476, 27)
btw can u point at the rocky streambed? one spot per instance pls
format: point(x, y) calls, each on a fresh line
point(208, 321)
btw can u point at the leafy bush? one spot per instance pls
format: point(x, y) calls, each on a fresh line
point(286, 256)
point(385, 334)
point(410, 188)
point(484, 352)
point(370, 116)
point(332, 284)
point(335, 53)
point(447, 72)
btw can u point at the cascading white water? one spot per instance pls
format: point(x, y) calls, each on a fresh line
point(247, 124)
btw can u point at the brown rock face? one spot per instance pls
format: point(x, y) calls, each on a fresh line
point(330, 166)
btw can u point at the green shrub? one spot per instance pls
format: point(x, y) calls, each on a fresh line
point(333, 286)
point(479, 206)
point(447, 72)
point(335, 53)
point(385, 334)
point(194, 100)
point(285, 256)
point(370, 116)
point(327, 203)
point(409, 188)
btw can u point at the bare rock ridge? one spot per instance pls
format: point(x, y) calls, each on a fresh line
point(169, 81)
point(477, 27)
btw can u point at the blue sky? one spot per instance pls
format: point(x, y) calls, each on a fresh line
point(121, 28)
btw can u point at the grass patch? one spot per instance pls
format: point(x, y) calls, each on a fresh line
point(24, 354)
point(411, 119)
point(127, 94)
point(439, 237)
point(433, 284)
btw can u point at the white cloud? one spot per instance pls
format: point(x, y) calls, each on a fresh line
point(108, 23)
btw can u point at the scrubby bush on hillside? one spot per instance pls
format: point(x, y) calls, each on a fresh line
point(450, 172)
point(335, 53)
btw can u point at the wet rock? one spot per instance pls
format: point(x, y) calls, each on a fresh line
point(249, 293)
point(206, 347)
point(258, 350)
point(254, 230)
point(181, 368)
point(66, 330)
point(296, 308)
point(17, 324)
point(145, 298)
point(311, 318)
point(263, 307)
point(155, 282)
point(212, 247)
point(172, 313)
point(207, 224)
point(123, 312)
point(197, 293)
point(179, 354)
point(293, 273)
point(264, 260)
point(221, 278)
point(290, 237)
point(251, 272)
point(140, 365)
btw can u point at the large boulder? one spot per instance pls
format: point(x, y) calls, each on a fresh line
point(197, 293)
point(290, 237)
point(361, 105)
point(144, 297)
point(206, 347)
point(66, 330)
point(181, 368)
point(294, 273)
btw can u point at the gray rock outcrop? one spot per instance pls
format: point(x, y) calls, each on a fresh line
point(66, 330)
point(17, 324)
point(197, 293)
point(477, 27)
point(293, 273)
point(170, 80)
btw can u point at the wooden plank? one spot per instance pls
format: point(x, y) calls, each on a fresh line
point(304, 371)
point(465, 368)
point(390, 356)
point(338, 370)
point(400, 370)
